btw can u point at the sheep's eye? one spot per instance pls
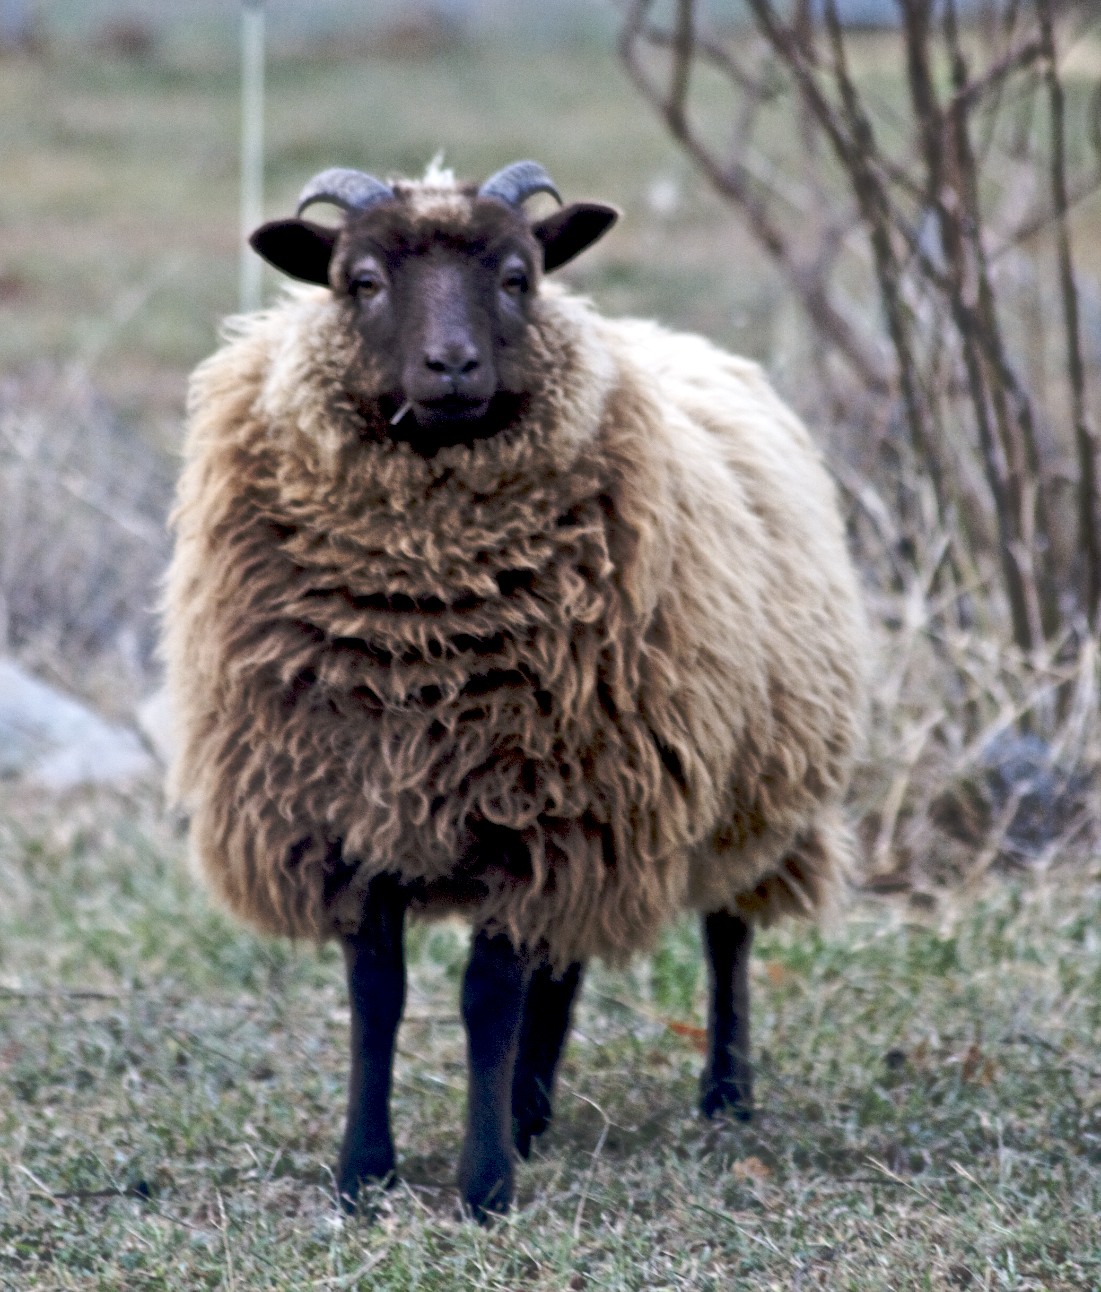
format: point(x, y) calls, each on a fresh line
point(367, 286)
point(515, 282)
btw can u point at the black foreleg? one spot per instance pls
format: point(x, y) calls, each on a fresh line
point(375, 959)
point(546, 1025)
point(727, 1081)
point(492, 1003)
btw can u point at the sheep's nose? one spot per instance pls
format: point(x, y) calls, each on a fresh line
point(455, 361)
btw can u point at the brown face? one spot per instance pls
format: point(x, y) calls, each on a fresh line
point(445, 311)
point(442, 302)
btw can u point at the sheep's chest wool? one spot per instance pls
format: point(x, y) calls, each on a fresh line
point(625, 629)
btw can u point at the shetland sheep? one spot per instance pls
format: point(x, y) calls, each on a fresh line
point(482, 602)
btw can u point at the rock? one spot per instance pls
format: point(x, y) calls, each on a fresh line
point(1020, 776)
point(52, 740)
point(1024, 775)
point(157, 725)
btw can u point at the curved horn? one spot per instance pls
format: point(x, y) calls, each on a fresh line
point(516, 183)
point(351, 189)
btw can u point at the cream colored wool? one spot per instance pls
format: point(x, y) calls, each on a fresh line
point(627, 628)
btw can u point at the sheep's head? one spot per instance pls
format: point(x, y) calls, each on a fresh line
point(440, 282)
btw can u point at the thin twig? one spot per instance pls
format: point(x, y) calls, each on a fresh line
point(733, 181)
point(1085, 434)
point(683, 47)
point(587, 1183)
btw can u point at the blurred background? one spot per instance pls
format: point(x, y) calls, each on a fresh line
point(911, 297)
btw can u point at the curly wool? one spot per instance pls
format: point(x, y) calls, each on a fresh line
point(625, 629)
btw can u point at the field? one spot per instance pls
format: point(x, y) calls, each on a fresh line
point(171, 1088)
point(930, 1097)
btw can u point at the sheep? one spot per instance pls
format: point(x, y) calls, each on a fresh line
point(484, 603)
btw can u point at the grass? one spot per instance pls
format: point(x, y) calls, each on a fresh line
point(171, 1095)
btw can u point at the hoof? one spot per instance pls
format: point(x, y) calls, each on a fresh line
point(352, 1176)
point(486, 1189)
point(531, 1115)
point(726, 1097)
point(525, 1130)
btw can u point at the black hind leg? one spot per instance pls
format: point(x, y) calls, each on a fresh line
point(726, 1085)
point(546, 1024)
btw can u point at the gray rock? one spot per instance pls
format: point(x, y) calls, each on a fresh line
point(157, 725)
point(52, 740)
point(1021, 772)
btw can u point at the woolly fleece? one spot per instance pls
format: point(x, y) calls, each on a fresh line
point(626, 629)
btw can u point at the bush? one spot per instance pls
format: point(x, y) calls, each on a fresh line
point(82, 538)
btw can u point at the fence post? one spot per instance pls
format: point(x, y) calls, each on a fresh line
point(252, 147)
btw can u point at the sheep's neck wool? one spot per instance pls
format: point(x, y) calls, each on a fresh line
point(579, 635)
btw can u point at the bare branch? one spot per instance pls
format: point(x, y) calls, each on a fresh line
point(1085, 434)
point(874, 204)
point(683, 44)
point(939, 182)
point(1083, 189)
point(993, 80)
point(735, 182)
point(714, 52)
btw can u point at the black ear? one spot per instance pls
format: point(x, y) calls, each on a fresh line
point(568, 232)
point(297, 247)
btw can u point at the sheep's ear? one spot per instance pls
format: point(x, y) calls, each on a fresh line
point(568, 232)
point(297, 247)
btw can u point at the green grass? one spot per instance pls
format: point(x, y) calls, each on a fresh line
point(171, 1095)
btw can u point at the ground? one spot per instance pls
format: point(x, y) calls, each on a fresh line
point(171, 1096)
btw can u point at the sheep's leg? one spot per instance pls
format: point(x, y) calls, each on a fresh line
point(542, 1039)
point(727, 1081)
point(493, 1003)
point(375, 960)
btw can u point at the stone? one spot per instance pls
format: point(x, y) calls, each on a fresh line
point(54, 741)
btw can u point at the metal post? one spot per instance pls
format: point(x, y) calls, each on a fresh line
point(252, 146)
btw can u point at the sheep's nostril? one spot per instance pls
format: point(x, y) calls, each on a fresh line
point(455, 363)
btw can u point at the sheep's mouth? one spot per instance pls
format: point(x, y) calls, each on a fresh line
point(430, 425)
point(452, 408)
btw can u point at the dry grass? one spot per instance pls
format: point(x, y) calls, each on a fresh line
point(171, 1091)
point(82, 536)
point(980, 758)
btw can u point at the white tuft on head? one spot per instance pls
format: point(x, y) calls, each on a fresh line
point(437, 175)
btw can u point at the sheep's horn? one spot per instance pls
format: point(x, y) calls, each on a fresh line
point(516, 183)
point(352, 189)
